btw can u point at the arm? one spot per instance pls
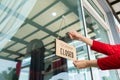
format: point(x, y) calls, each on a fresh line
point(95, 45)
point(105, 48)
point(106, 63)
point(110, 62)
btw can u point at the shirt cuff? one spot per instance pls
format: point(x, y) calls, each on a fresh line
point(99, 64)
point(93, 45)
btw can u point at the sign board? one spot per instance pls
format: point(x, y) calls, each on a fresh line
point(65, 50)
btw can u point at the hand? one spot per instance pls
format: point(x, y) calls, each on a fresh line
point(77, 36)
point(81, 64)
point(74, 35)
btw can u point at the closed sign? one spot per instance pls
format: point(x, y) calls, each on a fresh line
point(65, 50)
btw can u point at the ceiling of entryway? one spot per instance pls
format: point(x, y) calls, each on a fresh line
point(43, 23)
point(115, 7)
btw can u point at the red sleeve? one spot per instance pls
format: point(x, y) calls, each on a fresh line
point(105, 48)
point(110, 62)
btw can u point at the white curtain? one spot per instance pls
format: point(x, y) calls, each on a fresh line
point(12, 15)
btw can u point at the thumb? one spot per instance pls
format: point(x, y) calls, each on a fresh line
point(70, 35)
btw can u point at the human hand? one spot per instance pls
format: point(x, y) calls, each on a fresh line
point(81, 64)
point(77, 36)
point(74, 35)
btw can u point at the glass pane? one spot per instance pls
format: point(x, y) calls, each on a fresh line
point(97, 32)
point(82, 54)
point(96, 8)
point(24, 74)
point(58, 17)
point(25, 69)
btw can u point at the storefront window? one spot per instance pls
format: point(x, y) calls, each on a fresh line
point(96, 8)
point(82, 54)
point(56, 18)
point(97, 32)
point(66, 15)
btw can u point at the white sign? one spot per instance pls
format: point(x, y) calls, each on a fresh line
point(65, 50)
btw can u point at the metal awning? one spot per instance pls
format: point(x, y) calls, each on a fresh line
point(115, 7)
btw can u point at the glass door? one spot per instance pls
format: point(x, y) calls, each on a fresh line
point(67, 16)
point(82, 52)
point(63, 69)
point(97, 32)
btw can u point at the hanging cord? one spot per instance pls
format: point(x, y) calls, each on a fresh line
point(63, 22)
point(60, 27)
point(60, 30)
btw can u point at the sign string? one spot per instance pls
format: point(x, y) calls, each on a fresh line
point(63, 22)
point(60, 27)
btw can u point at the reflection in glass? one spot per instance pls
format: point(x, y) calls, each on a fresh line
point(24, 73)
point(96, 31)
point(54, 65)
point(97, 9)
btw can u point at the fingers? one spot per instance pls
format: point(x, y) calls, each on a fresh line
point(75, 63)
point(74, 35)
point(80, 64)
point(70, 35)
